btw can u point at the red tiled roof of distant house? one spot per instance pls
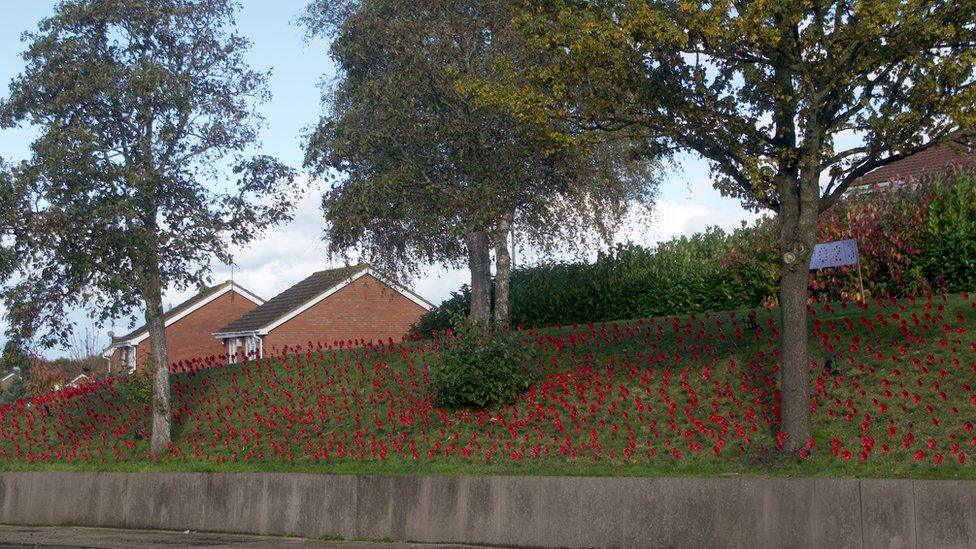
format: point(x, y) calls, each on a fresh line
point(928, 163)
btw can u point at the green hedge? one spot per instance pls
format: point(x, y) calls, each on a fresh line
point(629, 281)
point(947, 243)
point(910, 240)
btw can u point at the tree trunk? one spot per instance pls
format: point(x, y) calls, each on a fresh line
point(794, 369)
point(798, 233)
point(159, 370)
point(503, 275)
point(479, 265)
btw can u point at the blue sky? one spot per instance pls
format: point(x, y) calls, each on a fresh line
point(687, 203)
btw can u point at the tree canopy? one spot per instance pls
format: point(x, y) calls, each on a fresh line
point(789, 102)
point(139, 106)
point(143, 171)
point(422, 168)
point(861, 84)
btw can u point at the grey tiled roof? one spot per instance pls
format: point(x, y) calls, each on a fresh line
point(290, 299)
point(203, 294)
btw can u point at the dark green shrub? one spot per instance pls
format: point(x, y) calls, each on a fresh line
point(750, 274)
point(948, 241)
point(17, 390)
point(440, 319)
point(137, 388)
point(14, 357)
point(479, 367)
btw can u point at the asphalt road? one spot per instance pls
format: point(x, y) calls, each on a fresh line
point(20, 537)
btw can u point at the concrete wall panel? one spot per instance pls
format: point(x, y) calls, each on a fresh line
point(510, 511)
point(888, 511)
point(945, 513)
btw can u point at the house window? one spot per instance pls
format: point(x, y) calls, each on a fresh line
point(232, 345)
point(129, 354)
point(252, 347)
point(249, 346)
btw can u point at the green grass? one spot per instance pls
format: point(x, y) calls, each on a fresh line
point(632, 354)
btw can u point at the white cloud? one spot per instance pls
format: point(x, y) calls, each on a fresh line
point(668, 220)
point(438, 282)
point(289, 253)
point(672, 219)
point(284, 255)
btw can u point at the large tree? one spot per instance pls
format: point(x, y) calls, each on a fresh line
point(139, 176)
point(9, 205)
point(790, 102)
point(424, 172)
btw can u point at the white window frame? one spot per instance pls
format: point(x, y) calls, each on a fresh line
point(253, 347)
point(232, 347)
point(130, 358)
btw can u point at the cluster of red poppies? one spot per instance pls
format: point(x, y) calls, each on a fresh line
point(891, 380)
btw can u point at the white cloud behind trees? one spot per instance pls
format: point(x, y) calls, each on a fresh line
point(288, 253)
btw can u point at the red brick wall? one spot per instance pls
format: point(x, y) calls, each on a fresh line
point(192, 335)
point(367, 309)
point(7, 383)
point(115, 363)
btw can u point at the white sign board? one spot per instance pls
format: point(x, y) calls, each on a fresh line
point(834, 254)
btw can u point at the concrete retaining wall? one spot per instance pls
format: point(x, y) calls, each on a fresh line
point(510, 511)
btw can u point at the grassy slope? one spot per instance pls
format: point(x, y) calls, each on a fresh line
point(904, 368)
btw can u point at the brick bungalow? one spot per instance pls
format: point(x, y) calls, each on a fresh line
point(351, 304)
point(188, 328)
point(79, 380)
point(8, 379)
point(921, 166)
